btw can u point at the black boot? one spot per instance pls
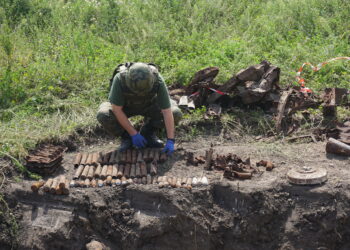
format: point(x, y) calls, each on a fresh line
point(126, 142)
point(153, 141)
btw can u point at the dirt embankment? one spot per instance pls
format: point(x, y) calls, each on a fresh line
point(265, 212)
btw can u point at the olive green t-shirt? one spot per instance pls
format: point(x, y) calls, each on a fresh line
point(116, 94)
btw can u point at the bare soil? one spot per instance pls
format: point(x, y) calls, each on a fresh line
point(265, 212)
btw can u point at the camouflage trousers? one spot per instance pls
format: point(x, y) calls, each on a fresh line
point(153, 116)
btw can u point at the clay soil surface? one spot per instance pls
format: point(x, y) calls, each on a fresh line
point(265, 212)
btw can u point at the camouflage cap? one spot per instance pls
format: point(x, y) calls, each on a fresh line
point(140, 78)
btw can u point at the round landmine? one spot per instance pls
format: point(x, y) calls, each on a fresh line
point(307, 176)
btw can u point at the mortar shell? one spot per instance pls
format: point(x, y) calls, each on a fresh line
point(77, 160)
point(91, 172)
point(53, 186)
point(62, 182)
point(58, 190)
point(133, 171)
point(139, 156)
point(122, 159)
point(149, 179)
point(109, 180)
point(78, 172)
point(143, 168)
point(89, 159)
point(110, 170)
point(87, 183)
point(83, 158)
point(128, 156)
point(65, 190)
point(85, 172)
point(153, 169)
point(134, 156)
point(95, 158)
point(127, 170)
point(120, 171)
point(98, 171)
point(37, 185)
point(103, 174)
point(106, 157)
point(115, 170)
point(47, 185)
point(137, 170)
point(145, 154)
point(100, 157)
point(156, 155)
point(111, 159)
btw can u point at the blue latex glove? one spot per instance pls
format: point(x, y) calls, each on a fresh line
point(138, 140)
point(169, 147)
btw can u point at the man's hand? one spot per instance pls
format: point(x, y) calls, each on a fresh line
point(169, 147)
point(138, 140)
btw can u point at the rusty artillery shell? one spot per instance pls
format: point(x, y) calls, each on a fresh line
point(269, 166)
point(133, 171)
point(153, 168)
point(138, 170)
point(143, 168)
point(128, 156)
point(124, 181)
point(149, 179)
point(156, 155)
point(89, 159)
point(109, 170)
point(65, 190)
point(106, 158)
point(85, 172)
point(58, 190)
point(54, 185)
point(78, 172)
point(36, 185)
point(162, 157)
point(83, 158)
point(151, 154)
point(139, 156)
point(72, 183)
point(111, 159)
point(77, 160)
point(100, 183)
point(145, 154)
point(144, 180)
point(95, 158)
point(91, 172)
point(47, 185)
point(98, 171)
point(109, 180)
point(118, 182)
point(103, 174)
point(62, 182)
point(115, 170)
point(93, 183)
point(178, 183)
point(120, 171)
point(100, 157)
point(122, 158)
point(134, 156)
point(127, 170)
point(242, 175)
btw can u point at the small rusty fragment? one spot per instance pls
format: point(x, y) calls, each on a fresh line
point(47, 185)
point(37, 185)
point(77, 159)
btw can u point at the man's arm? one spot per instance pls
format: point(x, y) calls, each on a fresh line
point(123, 119)
point(169, 123)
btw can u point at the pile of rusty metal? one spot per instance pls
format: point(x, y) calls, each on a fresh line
point(115, 168)
point(255, 86)
point(58, 185)
point(45, 159)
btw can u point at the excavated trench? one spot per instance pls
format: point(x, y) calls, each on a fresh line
point(265, 212)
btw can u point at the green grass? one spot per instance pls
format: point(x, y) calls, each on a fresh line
point(56, 56)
